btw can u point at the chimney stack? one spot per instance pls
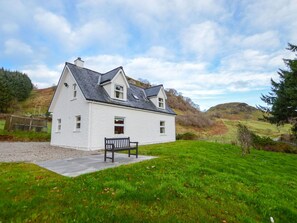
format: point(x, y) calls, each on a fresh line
point(79, 62)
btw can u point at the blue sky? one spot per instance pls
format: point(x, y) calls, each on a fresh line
point(213, 51)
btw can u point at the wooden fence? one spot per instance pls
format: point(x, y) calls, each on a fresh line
point(15, 123)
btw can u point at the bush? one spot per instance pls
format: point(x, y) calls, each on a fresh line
point(199, 120)
point(245, 138)
point(267, 144)
point(186, 136)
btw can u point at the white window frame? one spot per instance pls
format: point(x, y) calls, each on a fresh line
point(119, 125)
point(161, 102)
point(120, 91)
point(74, 90)
point(59, 125)
point(162, 127)
point(77, 123)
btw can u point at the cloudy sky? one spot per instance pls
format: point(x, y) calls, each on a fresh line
point(213, 51)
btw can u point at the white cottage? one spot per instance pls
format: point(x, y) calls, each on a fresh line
point(88, 106)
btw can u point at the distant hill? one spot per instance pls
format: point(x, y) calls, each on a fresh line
point(234, 111)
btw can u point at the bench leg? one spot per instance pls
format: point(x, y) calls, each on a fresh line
point(129, 152)
point(113, 156)
point(136, 152)
point(105, 155)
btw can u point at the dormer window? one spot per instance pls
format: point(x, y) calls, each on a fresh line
point(74, 91)
point(118, 91)
point(161, 102)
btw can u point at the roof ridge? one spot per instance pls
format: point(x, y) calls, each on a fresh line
point(85, 68)
point(113, 70)
point(159, 85)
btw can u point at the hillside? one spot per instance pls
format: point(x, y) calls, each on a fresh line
point(234, 111)
point(38, 102)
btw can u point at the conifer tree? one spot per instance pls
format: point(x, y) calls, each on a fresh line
point(282, 100)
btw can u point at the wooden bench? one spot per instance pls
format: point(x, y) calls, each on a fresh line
point(119, 144)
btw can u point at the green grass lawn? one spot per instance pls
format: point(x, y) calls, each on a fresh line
point(191, 181)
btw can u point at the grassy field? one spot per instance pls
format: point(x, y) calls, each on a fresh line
point(191, 181)
point(225, 130)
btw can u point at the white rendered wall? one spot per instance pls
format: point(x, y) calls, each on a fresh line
point(66, 108)
point(140, 125)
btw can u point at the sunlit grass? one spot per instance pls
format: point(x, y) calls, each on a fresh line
point(191, 181)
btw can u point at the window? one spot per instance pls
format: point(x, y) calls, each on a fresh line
point(162, 127)
point(119, 91)
point(119, 125)
point(161, 103)
point(77, 122)
point(59, 125)
point(74, 91)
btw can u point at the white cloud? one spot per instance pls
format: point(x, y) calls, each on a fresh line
point(17, 47)
point(266, 41)
point(76, 36)
point(43, 76)
point(203, 39)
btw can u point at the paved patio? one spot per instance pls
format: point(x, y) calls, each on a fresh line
point(72, 167)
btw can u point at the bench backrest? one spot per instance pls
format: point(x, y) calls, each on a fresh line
point(118, 142)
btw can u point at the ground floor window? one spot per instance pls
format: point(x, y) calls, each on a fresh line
point(119, 125)
point(162, 127)
point(59, 124)
point(77, 122)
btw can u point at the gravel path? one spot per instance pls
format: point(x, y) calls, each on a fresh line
point(37, 151)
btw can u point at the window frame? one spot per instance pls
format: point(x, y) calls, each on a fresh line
point(117, 125)
point(161, 103)
point(77, 123)
point(162, 127)
point(59, 125)
point(74, 90)
point(120, 92)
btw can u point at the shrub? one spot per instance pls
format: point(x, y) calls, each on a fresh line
point(199, 120)
point(266, 143)
point(186, 136)
point(245, 138)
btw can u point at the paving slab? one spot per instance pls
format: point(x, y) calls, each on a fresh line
point(72, 167)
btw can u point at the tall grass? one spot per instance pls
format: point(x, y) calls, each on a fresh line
point(25, 136)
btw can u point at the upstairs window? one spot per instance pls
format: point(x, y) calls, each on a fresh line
point(59, 125)
point(74, 91)
point(161, 102)
point(77, 122)
point(119, 91)
point(119, 123)
point(162, 127)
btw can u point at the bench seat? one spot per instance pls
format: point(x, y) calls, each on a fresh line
point(119, 144)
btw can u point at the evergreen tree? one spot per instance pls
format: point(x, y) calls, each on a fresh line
point(14, 86)
point(5, 92)
point(282, 100)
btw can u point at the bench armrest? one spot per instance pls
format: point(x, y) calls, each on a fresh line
point(134, 143)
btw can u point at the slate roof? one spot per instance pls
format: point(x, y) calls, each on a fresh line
point(153, 91)
point(87, 81)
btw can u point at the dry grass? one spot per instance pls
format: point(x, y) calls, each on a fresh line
point(38, 102)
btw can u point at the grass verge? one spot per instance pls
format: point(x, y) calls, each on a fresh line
point(191, 181)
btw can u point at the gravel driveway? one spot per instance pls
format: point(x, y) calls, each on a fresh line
point(37, 151)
